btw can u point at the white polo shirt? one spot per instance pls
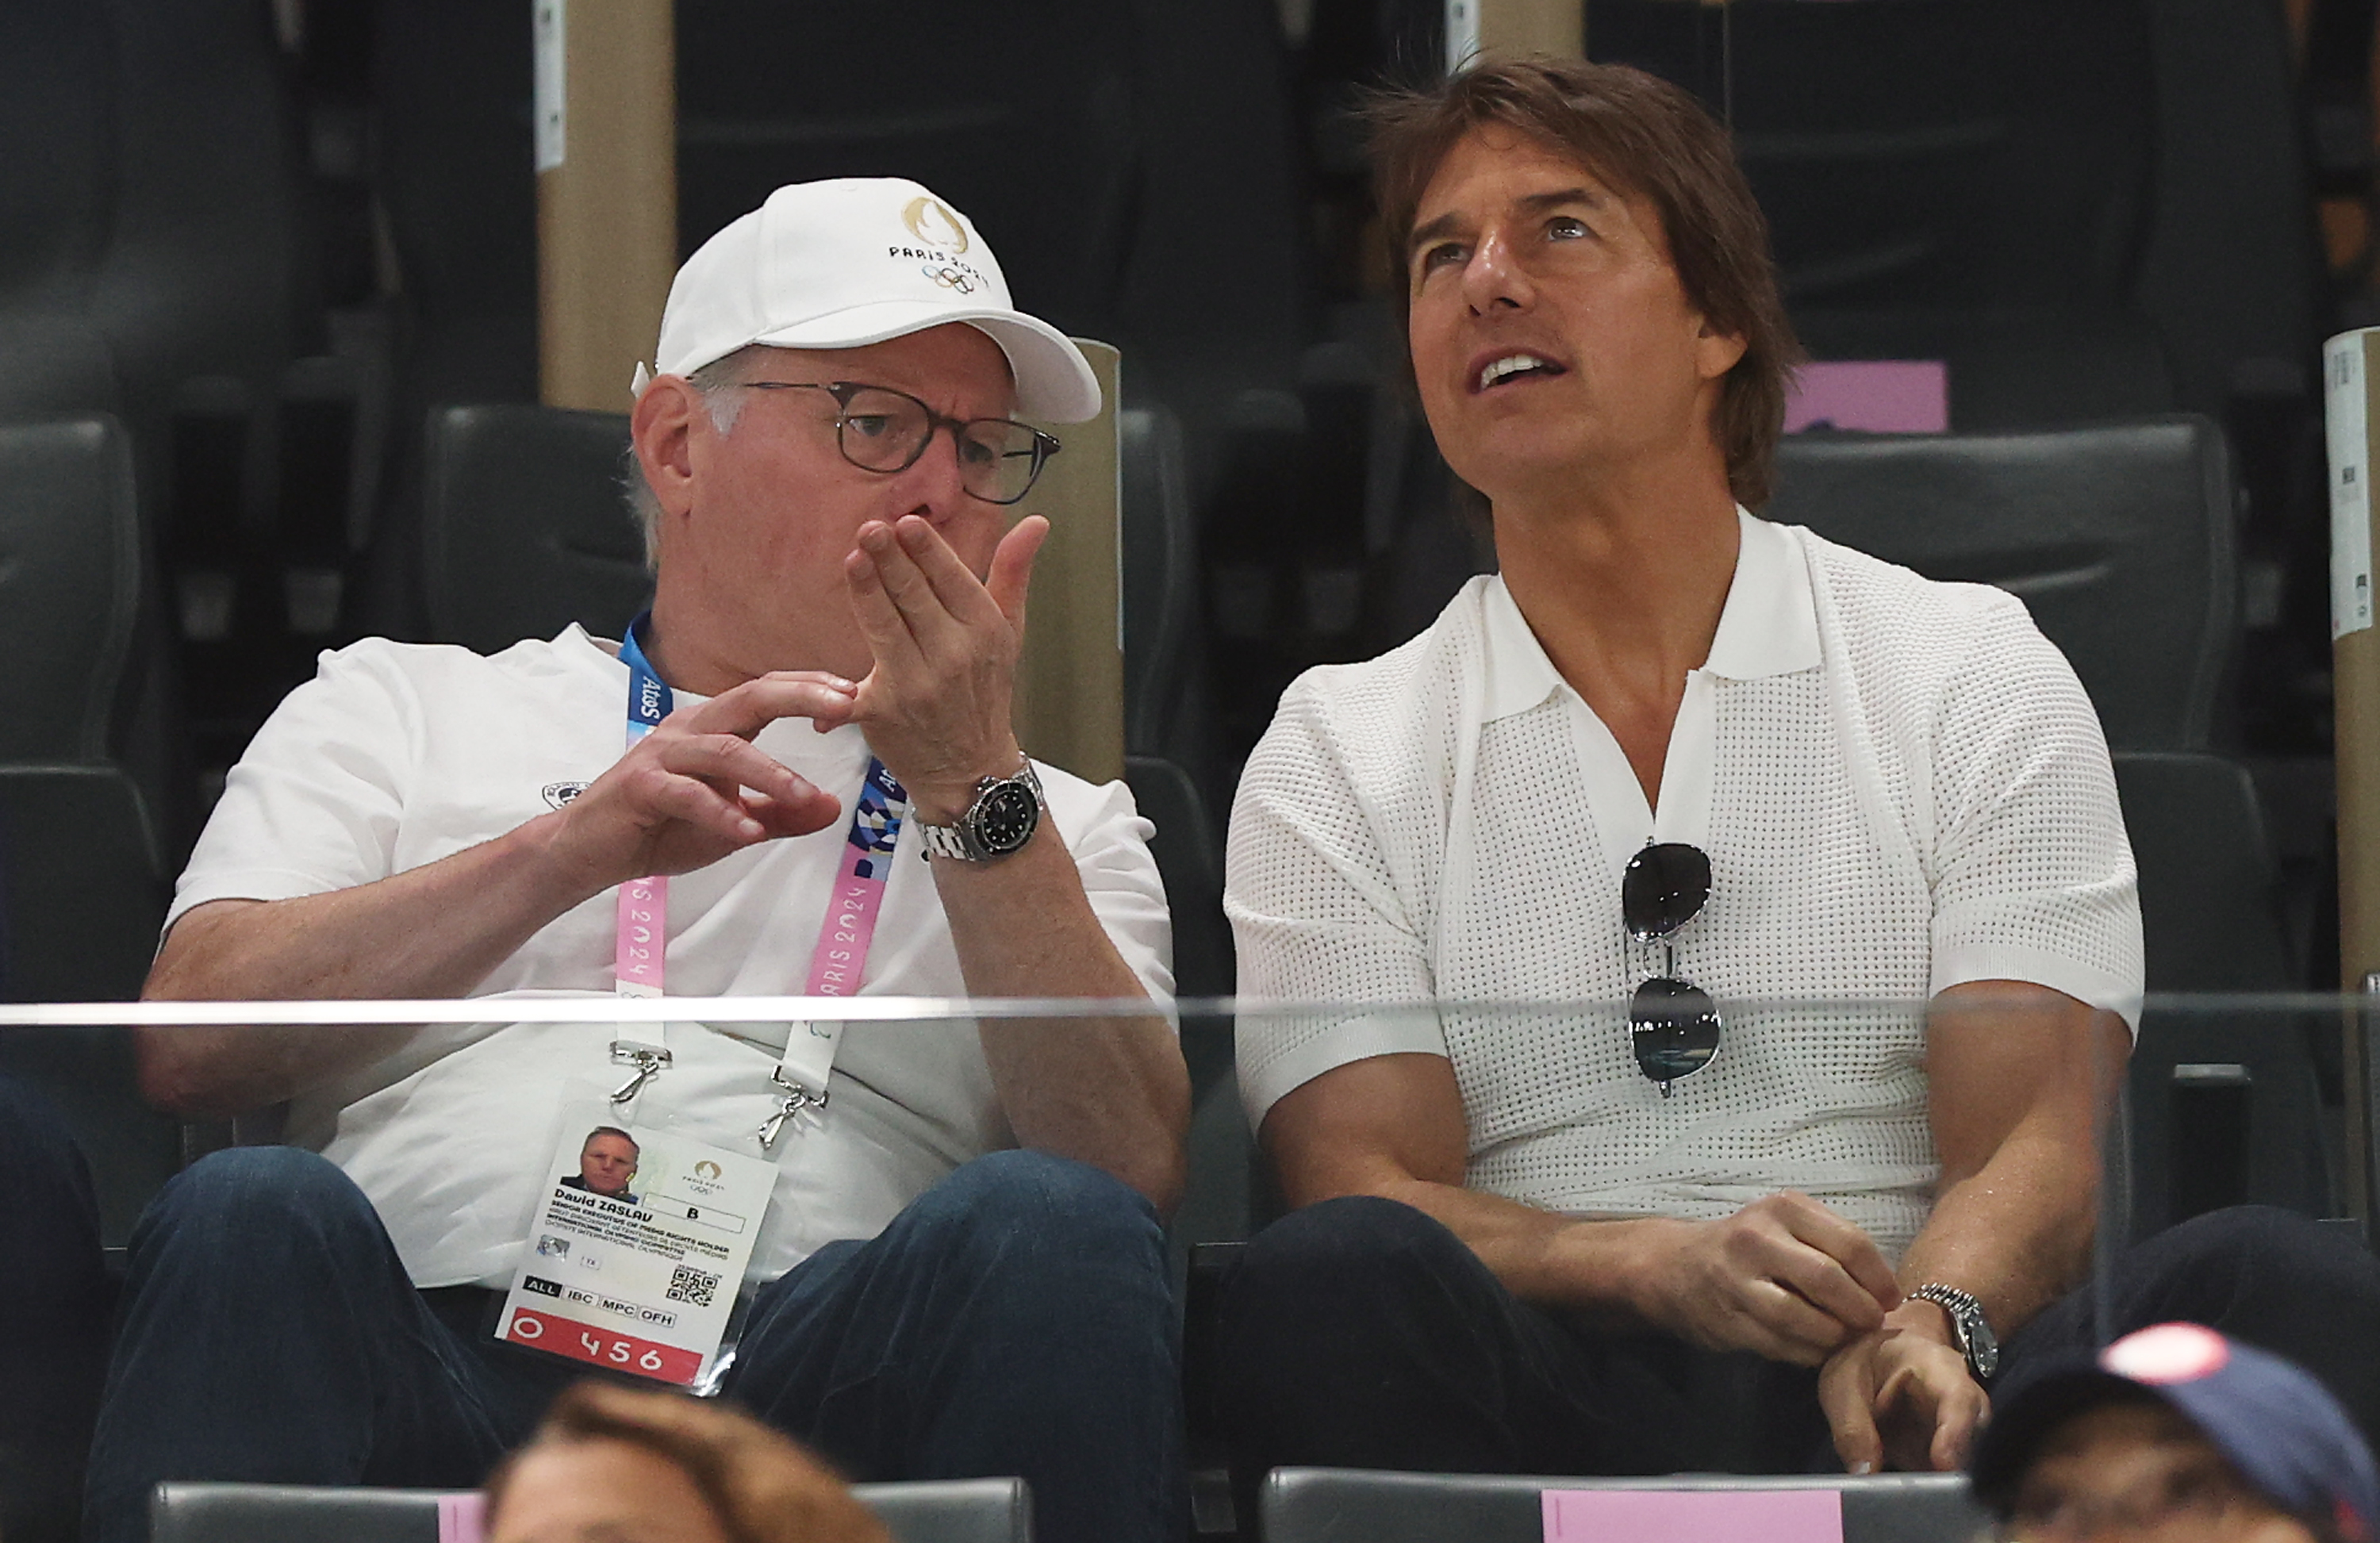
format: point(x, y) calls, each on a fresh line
point(1901, 785)
point(397, 755)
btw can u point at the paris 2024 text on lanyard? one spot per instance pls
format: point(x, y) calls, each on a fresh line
point(643, 1235)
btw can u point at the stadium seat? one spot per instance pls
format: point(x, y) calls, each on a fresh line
point(2225, 1106)
point(1189, 857)
point(2118, 538)
point(82, 887)
point(939, 1511)
point(1927, 152)
point(525, 528)
point(70, 579)
point(1023, 117)
point(1323, 1506)
point(2228, 267)
point(1165, 666)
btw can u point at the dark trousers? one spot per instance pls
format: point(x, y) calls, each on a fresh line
point(1015, 1319)
point(58, 1303)
point(1361, 1333)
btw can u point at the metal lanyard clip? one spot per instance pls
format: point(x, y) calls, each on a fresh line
point(792, 1099)
point(649, 1064)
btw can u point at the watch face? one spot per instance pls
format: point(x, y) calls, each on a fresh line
point(1005, 817)
point(1984, 1347)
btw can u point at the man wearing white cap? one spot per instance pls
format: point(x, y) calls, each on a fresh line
point(958, 1267)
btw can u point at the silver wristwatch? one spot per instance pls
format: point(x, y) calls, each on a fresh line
point(1005, 813)
point(1971, 1333)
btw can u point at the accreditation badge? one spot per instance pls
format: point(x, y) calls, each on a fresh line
point(639, 1244)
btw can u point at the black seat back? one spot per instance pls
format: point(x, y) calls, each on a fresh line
point(1925, 151)
point(2224, 1102)
point(2118, 538)
point(70, 583)
point(81, 886)
point(1021, 116)
point(525, 528)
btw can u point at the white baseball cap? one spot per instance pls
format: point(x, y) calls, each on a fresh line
point(854, 261)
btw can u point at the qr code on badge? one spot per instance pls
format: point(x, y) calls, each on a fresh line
point(692, 1287)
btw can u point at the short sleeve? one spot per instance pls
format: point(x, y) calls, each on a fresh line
point(314, 804)
point(1317, 918)
point(1108, 840)
point(2033, 876)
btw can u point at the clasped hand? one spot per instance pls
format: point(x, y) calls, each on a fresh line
point(1790, 1280)
point(935, 706)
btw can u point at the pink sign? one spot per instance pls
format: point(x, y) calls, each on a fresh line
point(1877, 396)
point(462, 1518)
point(1694, 1515)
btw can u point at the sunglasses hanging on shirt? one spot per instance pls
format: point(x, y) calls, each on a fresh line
point(1673, 1024)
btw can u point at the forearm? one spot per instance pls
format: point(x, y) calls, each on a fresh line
point(1111, 1092)
point(432, 932)
point(1588, 1266)
point(2022, 1079)
point(2017, 1233)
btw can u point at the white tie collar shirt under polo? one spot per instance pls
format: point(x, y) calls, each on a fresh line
point(1902, 787)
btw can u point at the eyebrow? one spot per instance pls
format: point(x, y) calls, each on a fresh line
point(1533, 204)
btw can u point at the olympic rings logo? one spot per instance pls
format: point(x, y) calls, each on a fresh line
point(949, 278)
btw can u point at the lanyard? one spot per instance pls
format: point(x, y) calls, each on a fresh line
point(837, 965)
point(641, 919)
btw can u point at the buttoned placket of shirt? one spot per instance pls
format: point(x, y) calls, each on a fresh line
point(1767, 626)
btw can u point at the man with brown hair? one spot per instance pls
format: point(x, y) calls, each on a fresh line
point(1676, 756)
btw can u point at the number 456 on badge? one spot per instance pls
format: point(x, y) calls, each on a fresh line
point(623, 1352)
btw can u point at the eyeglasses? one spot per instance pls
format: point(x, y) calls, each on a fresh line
point(1673, 1026)
point(879, 429)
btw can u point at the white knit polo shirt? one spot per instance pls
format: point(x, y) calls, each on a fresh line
point(1902, 787)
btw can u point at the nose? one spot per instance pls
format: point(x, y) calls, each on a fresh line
point(931, 486)
point(1494, 276)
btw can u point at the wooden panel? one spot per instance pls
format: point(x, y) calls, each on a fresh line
point(1070, 683)
point(1554, 27)
point(607, 214)
point(2355, 665)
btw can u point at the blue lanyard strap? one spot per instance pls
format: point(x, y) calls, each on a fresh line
point(650, 699)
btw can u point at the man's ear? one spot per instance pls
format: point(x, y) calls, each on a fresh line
point(662, 427)
point(1717, 352)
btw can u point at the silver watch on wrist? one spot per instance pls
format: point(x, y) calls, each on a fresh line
point(1971, 1333)
point(1005, 813)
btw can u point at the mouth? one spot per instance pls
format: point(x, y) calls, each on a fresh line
point(1504, 369)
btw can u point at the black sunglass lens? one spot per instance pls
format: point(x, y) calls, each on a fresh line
point(1674, 1029)
point(1664, 888)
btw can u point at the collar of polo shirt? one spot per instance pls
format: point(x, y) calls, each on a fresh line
point(1769, 625)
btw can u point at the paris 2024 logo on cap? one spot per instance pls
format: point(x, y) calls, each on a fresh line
point(938, 227)
point(933, 222)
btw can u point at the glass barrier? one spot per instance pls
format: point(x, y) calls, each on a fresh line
point(2226, 1099)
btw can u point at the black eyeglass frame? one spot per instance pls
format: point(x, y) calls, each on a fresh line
point(1673, 1025)
point(1044, 445)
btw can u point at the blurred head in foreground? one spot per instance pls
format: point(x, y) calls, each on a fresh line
point(627, 1466)
point(2178, 1433)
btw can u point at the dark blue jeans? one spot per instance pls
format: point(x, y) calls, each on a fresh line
point(1015, 1319)
point(58, 1304)
point(1361, 1333)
